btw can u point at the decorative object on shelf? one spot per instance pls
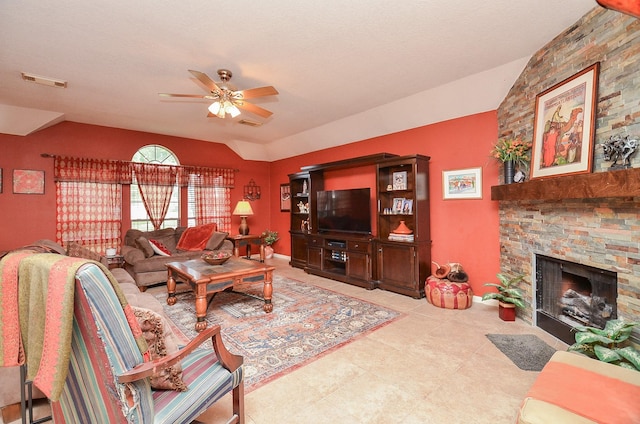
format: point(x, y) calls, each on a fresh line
point(400, 180)
point(303, 207)
point(564, 126)
point(407, 206)
point(619, 148)
point(304, 225)
point(285, 197)
point(216, 258)
point(252, 191)
point(403, 229)
point(305, 187)
point(514, 155)
point(508, 296)
point(462, 184)
point(519, 177)
point(397, 205)
point(243, 210)
point(28, 181)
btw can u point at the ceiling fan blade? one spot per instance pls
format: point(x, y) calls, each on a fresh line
point(257, 110)
point(203, 78)
point(196, 96)
point(252, 93)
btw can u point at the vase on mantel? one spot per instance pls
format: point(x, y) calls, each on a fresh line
point(509, 171)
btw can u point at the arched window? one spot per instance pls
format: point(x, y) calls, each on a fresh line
point(159, 155)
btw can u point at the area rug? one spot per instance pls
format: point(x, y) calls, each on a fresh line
point(306, 322)
point(527, 351)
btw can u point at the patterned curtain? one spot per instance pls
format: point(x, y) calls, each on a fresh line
point(89, 201)
point(155, 183)
point(211, 189)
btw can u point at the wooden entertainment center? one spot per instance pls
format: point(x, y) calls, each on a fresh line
point(400, 263)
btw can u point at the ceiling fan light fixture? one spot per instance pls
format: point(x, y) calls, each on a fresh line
point(231, 109)
point(214, 108)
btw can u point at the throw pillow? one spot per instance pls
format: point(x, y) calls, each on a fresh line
point(77, 250)
point(159, 247)
point(216, 240)
point(153, 330)
point(144, 245)
point(196, 238)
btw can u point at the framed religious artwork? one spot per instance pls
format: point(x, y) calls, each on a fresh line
point(462, 184)
point(28, 181)
point(564, 126)
point(285, 197)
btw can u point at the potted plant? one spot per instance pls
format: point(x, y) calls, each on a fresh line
point(508, 296)
point(513, 154)
point(269, 237)
point(610, 344)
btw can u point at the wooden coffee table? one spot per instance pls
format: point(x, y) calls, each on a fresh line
point(205, 279)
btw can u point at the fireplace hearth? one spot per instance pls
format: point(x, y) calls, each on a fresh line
point(570, 294)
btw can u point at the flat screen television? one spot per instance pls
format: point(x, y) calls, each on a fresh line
point(345, 210)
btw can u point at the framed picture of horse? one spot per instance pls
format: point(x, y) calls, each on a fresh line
point(564, 126)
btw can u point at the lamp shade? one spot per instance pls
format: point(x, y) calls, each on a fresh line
point(243, 208)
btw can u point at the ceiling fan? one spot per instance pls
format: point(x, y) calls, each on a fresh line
point(226, 99)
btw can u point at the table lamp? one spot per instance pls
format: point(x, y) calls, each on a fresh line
point(243, 209)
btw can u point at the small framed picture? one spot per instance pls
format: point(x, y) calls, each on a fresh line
point(28, 181)
point(285, 197)
point(398, 202)
point(400, 180)
point(462, 184)
point(407, 206)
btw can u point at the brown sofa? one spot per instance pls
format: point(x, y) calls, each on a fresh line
point(148, 267)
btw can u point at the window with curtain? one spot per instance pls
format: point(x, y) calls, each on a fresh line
point(209, 196)
point(89, 201)
point(159, 189)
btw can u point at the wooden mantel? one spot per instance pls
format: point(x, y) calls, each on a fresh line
point(619, 183)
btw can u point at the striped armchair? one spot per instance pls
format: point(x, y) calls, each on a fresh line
point(108, 379)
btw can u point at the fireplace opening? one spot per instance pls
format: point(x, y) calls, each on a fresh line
point(570, 294)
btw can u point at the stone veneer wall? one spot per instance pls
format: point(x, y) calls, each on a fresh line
point(603, 233)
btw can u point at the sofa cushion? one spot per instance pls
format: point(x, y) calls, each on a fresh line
point(196, 238)
point(157, 262)
point(216, 240)
point(159, 248)
point(144, 245)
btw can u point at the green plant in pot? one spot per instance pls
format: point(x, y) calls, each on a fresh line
point(269, 237)
point(508, 296)
point(610, 344)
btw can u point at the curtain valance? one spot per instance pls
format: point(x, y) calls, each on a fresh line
point(122, 172)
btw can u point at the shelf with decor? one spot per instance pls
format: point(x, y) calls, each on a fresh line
point(403, 260)
point(303, 188)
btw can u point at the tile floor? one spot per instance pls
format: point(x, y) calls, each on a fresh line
point(432, 365)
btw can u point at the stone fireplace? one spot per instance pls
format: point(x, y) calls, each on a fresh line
point(590, 246)
point(569, 294)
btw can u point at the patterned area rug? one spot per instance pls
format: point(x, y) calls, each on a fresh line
point(306, 322)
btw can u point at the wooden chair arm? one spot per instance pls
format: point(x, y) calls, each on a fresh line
point(228, 360)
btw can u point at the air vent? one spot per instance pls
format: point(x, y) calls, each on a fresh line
point(250, 123)
point(44, 80)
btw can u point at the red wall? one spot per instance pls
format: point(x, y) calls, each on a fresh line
point(26, 218)
point(464, 231)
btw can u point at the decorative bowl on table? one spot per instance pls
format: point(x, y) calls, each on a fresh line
point(216, 258)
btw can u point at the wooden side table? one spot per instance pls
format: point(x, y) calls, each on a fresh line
point(248, 240)
point(111, 262)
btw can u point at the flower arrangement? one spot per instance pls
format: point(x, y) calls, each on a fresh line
point(269, 237)
point(507, 150)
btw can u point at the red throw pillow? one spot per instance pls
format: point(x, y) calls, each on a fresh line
point(159, 247)
point(196, 238)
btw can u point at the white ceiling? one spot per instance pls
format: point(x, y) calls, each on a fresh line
point(345, 70)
